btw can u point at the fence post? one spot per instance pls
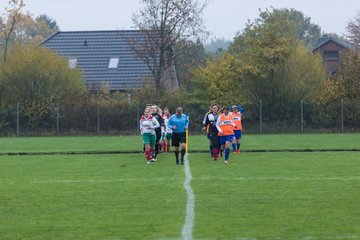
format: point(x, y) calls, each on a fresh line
point(342, 115)
point(137, 117)
point(57, 118)
point(302, 115)
point(261, 126)
point(98, 117)
point(17, 119)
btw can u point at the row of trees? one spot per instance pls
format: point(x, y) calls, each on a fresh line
point(272, 60)
point(269, 61)
point(19, 27)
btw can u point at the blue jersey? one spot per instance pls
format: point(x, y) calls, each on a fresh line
point(181, 122)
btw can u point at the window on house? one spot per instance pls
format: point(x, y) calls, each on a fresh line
point(113, 63)
point(72, 63)
point(331, 56)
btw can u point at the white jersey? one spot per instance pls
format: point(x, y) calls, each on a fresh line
point(166, 119)
point(148, 125)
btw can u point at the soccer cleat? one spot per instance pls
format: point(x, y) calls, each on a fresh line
point(148, 161)
point(182, 162)
point(215, 159)
point(238, 151)
point(226, 161)
point(177, 162)
point(154, 159)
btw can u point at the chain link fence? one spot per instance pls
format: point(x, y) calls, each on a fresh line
point(115, 118)
point(342, 116)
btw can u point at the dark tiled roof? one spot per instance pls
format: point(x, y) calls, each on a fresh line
point(93, 50)
point(325, 39)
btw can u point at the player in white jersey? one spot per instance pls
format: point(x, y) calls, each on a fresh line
point(148, 124)
point(167, 135)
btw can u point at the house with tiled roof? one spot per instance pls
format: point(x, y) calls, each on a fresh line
point(107, 59)
point(330, 49)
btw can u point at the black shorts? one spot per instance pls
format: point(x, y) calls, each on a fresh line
point(178, 138)
point(158, 134)
point(215, 141)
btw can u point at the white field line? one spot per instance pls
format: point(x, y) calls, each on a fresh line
point(306, 238)
point(190, 204)
point(344, 237)
point(106, 181)
point(348, 178)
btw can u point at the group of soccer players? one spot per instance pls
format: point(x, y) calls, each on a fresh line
point(158, 129)
point(224, 128)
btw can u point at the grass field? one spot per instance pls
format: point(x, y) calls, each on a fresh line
point(197, 143)
point(259, 195)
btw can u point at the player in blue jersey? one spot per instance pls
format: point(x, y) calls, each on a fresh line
point(179, 122)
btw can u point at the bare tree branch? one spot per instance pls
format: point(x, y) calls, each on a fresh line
point(165, 24)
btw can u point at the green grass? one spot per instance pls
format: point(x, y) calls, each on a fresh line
point(270, 195)
point(278, 196)
point(289, 142)
point(197, 143)
point(302, 141)
point(89, 197)
point(66, 144)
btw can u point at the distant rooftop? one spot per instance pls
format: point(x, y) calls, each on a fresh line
point(325, 38)
point(104, 57)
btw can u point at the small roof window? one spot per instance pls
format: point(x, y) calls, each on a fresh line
point(72, 63)
point(113, 63)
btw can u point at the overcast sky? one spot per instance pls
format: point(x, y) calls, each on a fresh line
point(223, 18)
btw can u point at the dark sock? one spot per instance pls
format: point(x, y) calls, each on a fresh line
point(234, 146)
point(238, 146)
point(157, 147)
point(227, 153)
point(182, 154)
point(177, 155)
